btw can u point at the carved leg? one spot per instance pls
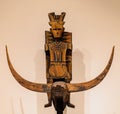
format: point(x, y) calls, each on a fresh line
point(49, 80)
point(49, 101)
point(70, 104)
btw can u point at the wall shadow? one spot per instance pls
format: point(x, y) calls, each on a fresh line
point(12, 106)
point(21, 106)
point(78, 69)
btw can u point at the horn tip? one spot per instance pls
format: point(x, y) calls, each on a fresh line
point(63, 13)
point(6, 48)
point(113, 48)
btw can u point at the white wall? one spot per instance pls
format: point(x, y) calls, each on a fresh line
point(95, 25)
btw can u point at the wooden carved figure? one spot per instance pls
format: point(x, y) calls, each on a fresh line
point(58, 50)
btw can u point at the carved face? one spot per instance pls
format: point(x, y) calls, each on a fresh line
point(57, 29)
point(60, 96)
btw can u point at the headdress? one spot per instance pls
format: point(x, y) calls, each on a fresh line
point(56, 18)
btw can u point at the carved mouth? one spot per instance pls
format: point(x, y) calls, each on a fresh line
point(60, 79)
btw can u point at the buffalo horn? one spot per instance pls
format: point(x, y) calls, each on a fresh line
point(92, 83)
point(27, 84)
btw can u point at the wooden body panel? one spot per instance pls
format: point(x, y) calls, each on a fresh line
point(58, 57)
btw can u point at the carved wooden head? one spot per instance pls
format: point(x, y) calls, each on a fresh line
point(60, 95)
point(56, 23)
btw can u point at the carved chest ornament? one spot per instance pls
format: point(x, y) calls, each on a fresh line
point(58, 50)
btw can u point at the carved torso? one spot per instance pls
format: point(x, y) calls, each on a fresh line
point(58, 57)
point(58, 51)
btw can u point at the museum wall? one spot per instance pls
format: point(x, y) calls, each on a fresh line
point(95, 27)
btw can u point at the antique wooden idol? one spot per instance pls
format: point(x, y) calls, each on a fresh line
point(58, 50)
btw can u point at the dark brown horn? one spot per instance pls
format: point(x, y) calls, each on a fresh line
point(62, 16)
point(92, 83)
point(51, 16)
point(27, 84)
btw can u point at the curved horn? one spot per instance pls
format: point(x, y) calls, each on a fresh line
point(92, 83)
point(27, 84)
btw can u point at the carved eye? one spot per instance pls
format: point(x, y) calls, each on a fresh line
point(59, 29)
point(54, 29)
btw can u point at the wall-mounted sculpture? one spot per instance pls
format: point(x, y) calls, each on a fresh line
point(58, 49)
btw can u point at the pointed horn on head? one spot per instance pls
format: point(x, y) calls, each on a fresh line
point(92, 83)
point(27, 84)
point(62, 16)
point(51, 16)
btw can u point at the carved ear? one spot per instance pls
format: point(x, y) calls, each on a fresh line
point(50, 23)
point(92, 83)
point(27, 84)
